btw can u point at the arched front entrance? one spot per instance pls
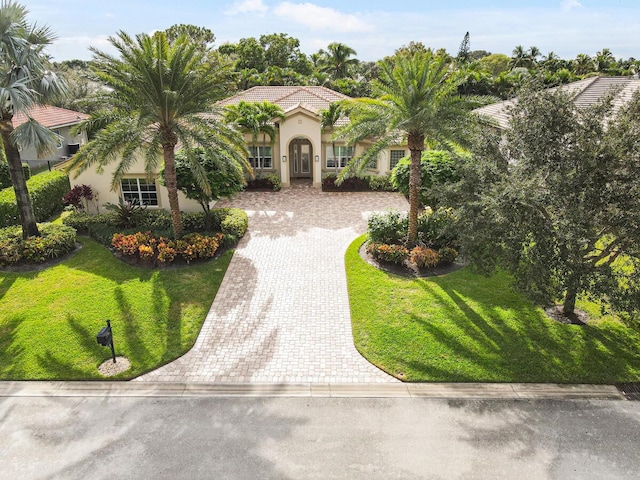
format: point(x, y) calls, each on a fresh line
point(300, 155)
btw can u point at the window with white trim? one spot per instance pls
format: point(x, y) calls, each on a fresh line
point(342, 156)
point(140, 191)
point(260, 157)
point(394, 157)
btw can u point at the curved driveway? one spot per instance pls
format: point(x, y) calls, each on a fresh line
point(282, 312)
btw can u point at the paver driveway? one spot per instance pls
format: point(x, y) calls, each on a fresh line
point(282, 311)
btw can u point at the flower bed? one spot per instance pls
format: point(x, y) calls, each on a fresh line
point(151, 250)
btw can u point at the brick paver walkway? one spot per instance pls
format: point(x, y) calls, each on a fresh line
point(282, 312)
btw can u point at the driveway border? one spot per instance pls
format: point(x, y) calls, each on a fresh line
point(335, 390)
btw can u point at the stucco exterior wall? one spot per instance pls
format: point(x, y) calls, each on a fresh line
point(30, 156)
point(101, 184)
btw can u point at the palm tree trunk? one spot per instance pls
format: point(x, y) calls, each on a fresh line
point(335, 161)
point(172, 189)
point(416, 146)
point(25, 209)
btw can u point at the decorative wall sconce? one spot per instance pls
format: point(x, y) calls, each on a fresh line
point(284, 159)
point(317, 158)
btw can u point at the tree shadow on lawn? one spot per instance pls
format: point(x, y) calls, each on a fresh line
point(10, 350)
point(526, 346)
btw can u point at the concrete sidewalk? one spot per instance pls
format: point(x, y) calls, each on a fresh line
point(498, 391)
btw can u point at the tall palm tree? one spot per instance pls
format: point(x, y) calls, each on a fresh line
point(25, 81)
point(243, 116)
point(583, 64)
point(519, 57)
point(336, 60)
point(328, 121)
point(416, 100)
point(161, 95)
point(267, 113)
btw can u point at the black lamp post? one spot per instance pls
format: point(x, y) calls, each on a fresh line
point(105, 338)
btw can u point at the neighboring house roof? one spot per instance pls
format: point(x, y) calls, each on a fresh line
point(289, 98)
point(50, 117)
point(584, 92)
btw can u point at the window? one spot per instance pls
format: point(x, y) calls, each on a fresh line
point(260, 157)
point(395, 157)
point(343, 155)
point(140, 191)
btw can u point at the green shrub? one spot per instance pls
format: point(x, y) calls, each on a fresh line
point(276, 182)
point(83, 222)
point(388, 253)
point(5, 176)
point(268, 182)
point(438, 167)
point(380, 183)
point(232, 221)
point(46, 191)
point(197, 221)
point(438, 229)
point(424, 257)
point(388, 227)
point(154, 220)
point(447, 255)
point(55, 240)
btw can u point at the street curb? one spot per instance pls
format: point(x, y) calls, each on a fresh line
point(504, 391)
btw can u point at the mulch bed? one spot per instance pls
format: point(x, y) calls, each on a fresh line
point(577, 318)
point(407, 269)
point(22, 267)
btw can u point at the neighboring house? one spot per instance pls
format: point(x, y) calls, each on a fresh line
point(60, 121)
point(584, 93)
point(302, 150)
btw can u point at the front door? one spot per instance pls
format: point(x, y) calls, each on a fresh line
point(300, 152)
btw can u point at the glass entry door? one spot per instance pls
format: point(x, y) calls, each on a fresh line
point(300, 152)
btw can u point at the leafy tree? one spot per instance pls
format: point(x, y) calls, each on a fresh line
point(223, 178)
point(25, 80)
point(161, 94)
point(494, 64)
point(437, 168)
point(416, 97)
point(557, 200)
point(200, 35)
point(82, 88)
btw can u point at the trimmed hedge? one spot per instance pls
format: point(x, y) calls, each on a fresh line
point(271, 181)
point(233, 222)
point(46, 191)
point(5, 176)
point(367, 183)
point(55, 240)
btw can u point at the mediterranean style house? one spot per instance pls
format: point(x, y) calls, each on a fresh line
point(302, 150)
point(60, 121)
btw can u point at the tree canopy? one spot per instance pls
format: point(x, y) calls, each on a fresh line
point(557, 200)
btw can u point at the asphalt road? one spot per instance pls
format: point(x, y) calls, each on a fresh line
point(354, 438)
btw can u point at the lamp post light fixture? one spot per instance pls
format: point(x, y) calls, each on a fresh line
point(105, 338)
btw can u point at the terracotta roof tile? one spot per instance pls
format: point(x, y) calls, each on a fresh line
point(584, 92)
point(50, 117)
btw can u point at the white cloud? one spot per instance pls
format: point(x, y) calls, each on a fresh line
point(247, 6)
point(568, 5)
point(321, 18)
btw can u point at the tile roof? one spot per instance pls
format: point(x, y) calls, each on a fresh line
point(584, 92)
point(312, 98)
point(50, 117)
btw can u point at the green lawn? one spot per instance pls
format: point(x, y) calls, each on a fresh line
point(49, 319)
point(464, 327)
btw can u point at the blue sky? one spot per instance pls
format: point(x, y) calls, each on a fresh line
point(373, 28)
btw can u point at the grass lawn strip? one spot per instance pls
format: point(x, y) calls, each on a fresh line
point(49, 319)
point(464, 327)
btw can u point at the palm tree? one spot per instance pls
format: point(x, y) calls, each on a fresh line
point(328, 121)
point(25, 81)
point(583, 64)
point(244, 118)
point(519, 57)
point(336, 60)
point(161, 95)
point(267, 113)
point(416, 99)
